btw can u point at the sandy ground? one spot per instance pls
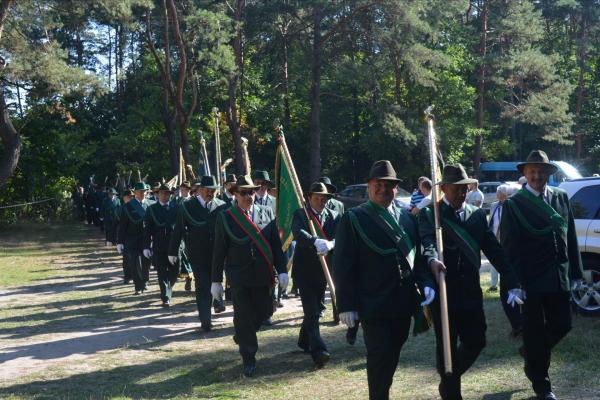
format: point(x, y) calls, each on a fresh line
point(104, 316)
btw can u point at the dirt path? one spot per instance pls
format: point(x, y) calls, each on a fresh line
point(86, 310)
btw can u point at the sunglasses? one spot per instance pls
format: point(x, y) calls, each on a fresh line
point(246, 192)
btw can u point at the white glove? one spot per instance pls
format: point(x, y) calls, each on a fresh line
point(330, 244)
point(102, 219)
point(349, 318)
point(321, 245)
point(97, 209)
point(429, 296)
point(147, 253)
point(216, 289)
point(515, 296)
point(172, 259)
point(577, 284)
point(120, 248)
point(283, 281)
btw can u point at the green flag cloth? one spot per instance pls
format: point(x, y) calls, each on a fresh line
point(288, 198)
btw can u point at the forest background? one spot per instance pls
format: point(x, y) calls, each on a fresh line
point(100, 87)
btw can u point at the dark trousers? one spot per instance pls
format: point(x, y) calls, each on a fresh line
point(383, 339)
point(202, 282)
point(110, 231)
point(514, 315)
point(126, 269)
point(467, 327)
point(146, 264)
point(134, 261)
point(251, 306)
point(546, 320)
point(167, 275)
point(310, 336)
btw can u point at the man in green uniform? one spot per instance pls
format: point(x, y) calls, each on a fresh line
point(248, 247)
point(376, 264)
point(127, 196)
point(307, 271)
point(263, 198)
point(185, 268)
point(158, 226)
point(195, 225)
point(465, 233)
point(537, 230)
point(130, 237)
point(110, 204)
point(332, 204)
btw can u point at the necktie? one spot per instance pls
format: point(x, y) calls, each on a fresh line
point(458, 217)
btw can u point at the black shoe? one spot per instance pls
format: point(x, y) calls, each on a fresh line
point(492, 289)
point(206, 326)
point(305, 348)
point(268, 322)
point(336, 318)
point(235, 339)
point(249, 369)
point(146, 286)
point(285, 296)
point(321, 358)
point(351, 335)
point(279, 304)
point(166, 304)
point(546, 395)
point(138, 292)
point(295, 291)
point(126, 281)
point(188, 284)
point(219, 308)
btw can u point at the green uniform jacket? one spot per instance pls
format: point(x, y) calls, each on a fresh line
point(109, 209)
point(195, 224)
point(131, 225)
point(307, 268)
point(336, 206)
point(544, 263)
point(158, 226)
point(462, 276)
point(244, 264)
point(366, 267)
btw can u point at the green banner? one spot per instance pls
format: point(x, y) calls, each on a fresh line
point(287, 196)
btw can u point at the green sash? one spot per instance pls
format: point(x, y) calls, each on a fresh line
point(555, 221)
point(155, 219)
point(405, 244)
point(464, 240)
point(188, 215)
point(255, 235)
point(137, 207)
point(319, 228)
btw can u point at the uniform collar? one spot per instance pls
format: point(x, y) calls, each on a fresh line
point(535, 192)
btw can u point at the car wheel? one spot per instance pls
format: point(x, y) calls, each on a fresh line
point(587, 298)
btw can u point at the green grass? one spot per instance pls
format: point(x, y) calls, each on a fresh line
point(202, 366)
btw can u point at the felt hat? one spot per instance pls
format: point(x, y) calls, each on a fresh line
point(207, 181)
point(141, 186)
point(231, 178)
point(330, 186)
point(244, 182)
point(185, 184)
point(128, 192)
point(262, 175)
point(164, 187)
point(383, 170)
point(455, 175)
point(319, 188)
point(538, 157)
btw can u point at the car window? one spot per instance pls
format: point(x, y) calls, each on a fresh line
point(346, 192)
point(402, 193)
point(586, 202)
point(359, 192)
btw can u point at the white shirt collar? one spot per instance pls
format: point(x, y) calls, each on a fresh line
point(460, 210)
point(163, 204)
point(201, 200)
point(535, 192)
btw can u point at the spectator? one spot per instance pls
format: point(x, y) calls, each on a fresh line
point(417, 195)
point(425, 188)
point(475, 196)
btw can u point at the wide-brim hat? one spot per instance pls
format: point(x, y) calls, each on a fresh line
point(383, 170)
point(128, 192)
point(244, 182)
point(455, 175)
point(186, 184)
point(141, 186)
point(537, 157)
point(207, 181)
point(231, 178)
point(164, 187)
point(262, 175)
point(319, 188)
point(330, 186)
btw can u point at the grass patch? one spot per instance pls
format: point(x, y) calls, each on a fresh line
point(69, 291)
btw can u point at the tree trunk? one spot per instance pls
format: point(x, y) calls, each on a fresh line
point(287, 116)
point(315, 98)
point(11, 142)
point(481, 88)
point(581, 56)
point(233, 117)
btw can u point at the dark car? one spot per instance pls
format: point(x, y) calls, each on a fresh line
point(355, 195)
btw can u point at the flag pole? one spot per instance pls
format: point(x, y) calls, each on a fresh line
point(300, 195)
point(435, 198)
point(217, 147)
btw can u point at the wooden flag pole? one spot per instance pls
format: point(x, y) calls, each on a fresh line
point(435, 197)
point(217, 147)
point(311, 226)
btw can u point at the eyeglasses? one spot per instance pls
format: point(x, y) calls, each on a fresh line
point(248, 192)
